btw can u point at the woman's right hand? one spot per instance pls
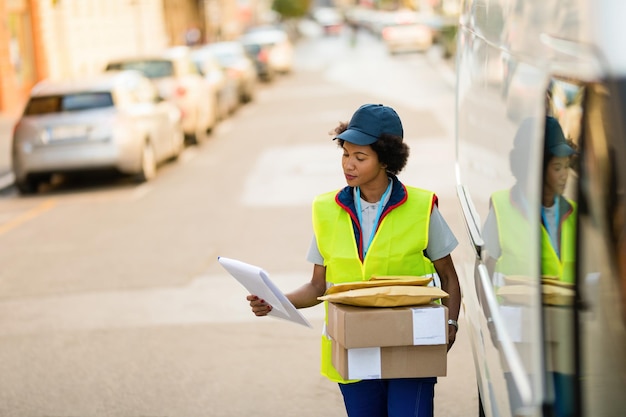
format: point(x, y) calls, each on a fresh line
point(259, 307)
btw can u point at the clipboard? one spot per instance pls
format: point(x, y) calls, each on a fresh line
point(257, 282)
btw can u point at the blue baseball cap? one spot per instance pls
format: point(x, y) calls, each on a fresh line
point(555, 143)
point(369, 122)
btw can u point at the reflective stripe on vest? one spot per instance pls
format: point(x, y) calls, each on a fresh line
point(397, 248)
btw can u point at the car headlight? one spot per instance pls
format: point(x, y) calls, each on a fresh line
point(27, 141)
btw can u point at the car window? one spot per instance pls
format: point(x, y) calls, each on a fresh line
point(227, 53)
point(225, 58)
point(192, 68)
point(199, 66)
point(140, 91)
point(252, 49)
point(72, 102)
point(154, 68)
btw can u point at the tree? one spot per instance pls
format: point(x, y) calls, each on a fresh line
point(291, 8)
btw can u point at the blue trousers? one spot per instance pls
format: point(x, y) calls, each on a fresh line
point(402, 397)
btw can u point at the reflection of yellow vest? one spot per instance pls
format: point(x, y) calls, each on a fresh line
point(551, 265)
point(514, 242)
point(513, 236)
point(397, 247)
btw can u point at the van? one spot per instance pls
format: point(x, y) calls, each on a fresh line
point(544, 300)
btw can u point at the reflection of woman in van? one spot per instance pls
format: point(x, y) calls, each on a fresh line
point(509, 249)
point(558, 214)
point(506, 228)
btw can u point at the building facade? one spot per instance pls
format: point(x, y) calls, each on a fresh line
point(67, 38)
point(20, 62)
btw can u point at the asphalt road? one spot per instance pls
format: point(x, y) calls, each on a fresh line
point(112, 302)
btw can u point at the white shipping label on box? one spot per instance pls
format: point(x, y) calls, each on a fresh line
point(364, 363)
point(512, 317)
point(429, 326)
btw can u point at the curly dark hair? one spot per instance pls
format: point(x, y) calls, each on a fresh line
point(390, 149)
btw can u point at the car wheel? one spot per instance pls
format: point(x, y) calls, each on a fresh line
point(148, 163)
point(179, 144)
point(27, 186)
point(247, 95)
point(216, 117)
point(191, 138)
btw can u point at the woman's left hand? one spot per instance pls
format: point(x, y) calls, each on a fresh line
point(451, 336)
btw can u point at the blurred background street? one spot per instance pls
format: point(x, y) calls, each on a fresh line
point(112, 302)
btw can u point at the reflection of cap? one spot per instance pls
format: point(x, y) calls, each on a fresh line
point(555, 143)
point(369, 122)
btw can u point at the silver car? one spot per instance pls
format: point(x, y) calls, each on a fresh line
point(115, 120)
point(273, 47)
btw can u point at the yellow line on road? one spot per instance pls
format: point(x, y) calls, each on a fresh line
point(29, 215)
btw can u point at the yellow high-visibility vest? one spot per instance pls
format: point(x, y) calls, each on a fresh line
point(396, 249)
point(565, 266)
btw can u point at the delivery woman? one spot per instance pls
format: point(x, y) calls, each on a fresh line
point(377, 226)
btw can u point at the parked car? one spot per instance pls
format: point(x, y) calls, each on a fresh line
point(271, 49)
point(223, 84)
point(179, 81)
point(115, 120)
point(407, 37)
point(232, 56)
point(330, 19)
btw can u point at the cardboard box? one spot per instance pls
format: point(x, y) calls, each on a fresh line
point(362, 327)
point(559, 338)
point(559, 323)
point(518, 323)
point(390, 362)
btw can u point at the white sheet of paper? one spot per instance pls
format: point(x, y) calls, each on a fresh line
point(257, 282)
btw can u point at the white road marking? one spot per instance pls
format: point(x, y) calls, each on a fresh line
point(292, 176)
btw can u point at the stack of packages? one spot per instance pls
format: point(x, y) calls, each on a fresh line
point(517, 298)
point(388, 327)
point(522, 290)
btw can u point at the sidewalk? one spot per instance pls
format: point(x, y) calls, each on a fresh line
point(6, 132)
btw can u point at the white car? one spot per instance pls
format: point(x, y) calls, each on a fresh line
point(115, 120)
point(223, 85)
point(277, 44)
point(330, 19)
point(179, 81)
point(407, 37)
